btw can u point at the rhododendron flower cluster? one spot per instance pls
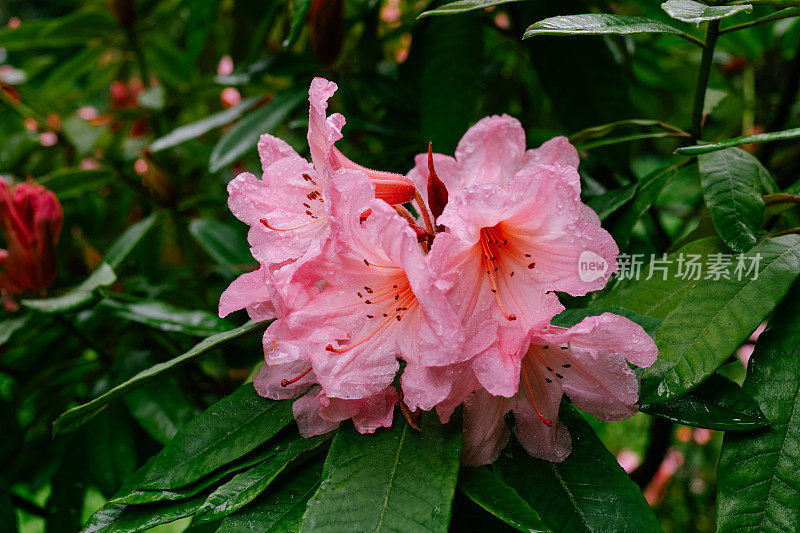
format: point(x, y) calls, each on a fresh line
point(374, 307)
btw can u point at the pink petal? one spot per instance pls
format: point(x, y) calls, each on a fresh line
point(272, 149)
point(269, 378)
point(448, 170)
point(491, 151)
point(552, 442)
point(248, 291)
point(306, 414)
point(376, 412)
point(557, 150)
point(485, 429)
point(323, 131)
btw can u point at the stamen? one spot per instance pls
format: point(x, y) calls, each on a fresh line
point(546, 421)
point(287, 382)
point(274, 228)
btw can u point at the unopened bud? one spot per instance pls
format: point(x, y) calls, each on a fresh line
point(326, 25)
point(390, 187)
point(437, 191)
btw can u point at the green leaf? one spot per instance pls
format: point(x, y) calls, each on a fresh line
point(202, 15)
point(463, 6)
point(167, 317)
point(110, 450)
point(597, 24)
point(691, 11)
point(758, 487)
point(245, 487)
point(121, 518)
point(196, 129)
point(716, 317)
point(10, 326)
point(569, 317)
point(738, 141)
point(69, 182)
point(126, 242)
point(453, 48)
point(245, 134)
point(658, 296)
point(718, 403)
point(229, 429)
point(279, 510)
point(485, 488)
point(77, 416)
point(609, 202)
point(398, 479)
point(223, 242)
point(589, 491)
point(160, 408)
point(732, 191)
point(299, 12)
point(77, 297)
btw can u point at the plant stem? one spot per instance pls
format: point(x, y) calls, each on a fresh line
point(660, 437)
point(712, 32)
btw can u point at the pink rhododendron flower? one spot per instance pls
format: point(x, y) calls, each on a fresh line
point(588, 362)
point(30, 219)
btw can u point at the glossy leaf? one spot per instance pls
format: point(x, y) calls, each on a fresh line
point(201, 127)
point(245, 487)
point(126, 242)
point(716, 317)
point(738, 141)
point(244, 136)
point(463, 6)
point(662, 292)
point(70, 182)
point(77, 416)
point(167, 317)
point(281, 509)
point(10, 326)
point(224, 242)
point(398, 479)
point(589, 491)
point(732, 191)
point(110, 449)
point(597, 24)
point(160, 408)
point(226, 431)
point(758, 488)
point(485, 488)
point(75, 298)
point(121, 518)
point(691, 11)
point(299, 12)
point(718, 403)
point(609, 202)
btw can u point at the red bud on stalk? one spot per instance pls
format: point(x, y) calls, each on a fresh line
point(437, 192)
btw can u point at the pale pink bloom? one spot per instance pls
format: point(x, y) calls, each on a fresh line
point(48, 138)
point(287, 209)
point(230, 97)
point(516, 229)
point(588, 362)
point(225, 66)
point(628, 460)
point(380, 301)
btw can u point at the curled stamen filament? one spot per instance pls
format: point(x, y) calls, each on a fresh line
point(287, 382)
point(274, 228)
point(546, 421)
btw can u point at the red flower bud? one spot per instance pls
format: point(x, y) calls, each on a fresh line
point(31, 219)
point(390, 187)
point(326, 29)
point(437, 192)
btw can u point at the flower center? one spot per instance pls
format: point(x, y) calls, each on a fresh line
point(501, 256)
point(314, 202)
point(545, 363)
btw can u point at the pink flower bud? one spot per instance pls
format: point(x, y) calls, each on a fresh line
point(31, 219)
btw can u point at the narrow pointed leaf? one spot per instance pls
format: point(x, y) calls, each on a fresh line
point(244, 136)
point(77, 416)
point(126, 242)
point(718, 403)
point(738, 141)
point(245, 487)
point(75, 298)
point(398, 479)
point(226, 431)
point(223, 242)
point(589, 491)
point(732, 191)
point(121, 518)
point(758, 487)
point(463, 6)
point(597, 24)
point(167, 317)
point(716, 317)
point(279, 510)
point(485, 488)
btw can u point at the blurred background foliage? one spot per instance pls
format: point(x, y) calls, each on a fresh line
point(125, 109)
